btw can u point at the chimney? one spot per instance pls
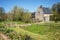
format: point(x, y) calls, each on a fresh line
point(41, 6)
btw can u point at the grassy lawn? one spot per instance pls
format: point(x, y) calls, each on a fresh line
point(43, 28)
point(43, 31)
point(40, 31)
point(36, 28)
point(23, 32)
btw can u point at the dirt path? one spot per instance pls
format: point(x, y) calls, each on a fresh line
point(25, 25)
point(4, 37)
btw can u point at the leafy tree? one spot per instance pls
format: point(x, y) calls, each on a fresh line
point(19, 14)
point(16, 13)
point(9, 16)
point(56, 12)
point(2, 14)
point(26, 17)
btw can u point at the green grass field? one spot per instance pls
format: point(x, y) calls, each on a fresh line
point(43, 31)
point(42, 28)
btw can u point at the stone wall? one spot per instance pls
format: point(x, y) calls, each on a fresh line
point(39, 14)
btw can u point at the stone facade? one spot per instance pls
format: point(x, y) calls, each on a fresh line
point(39, 14)
point(47, 17)
point(42, 14)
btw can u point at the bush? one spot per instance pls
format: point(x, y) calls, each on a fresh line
point(9, 32)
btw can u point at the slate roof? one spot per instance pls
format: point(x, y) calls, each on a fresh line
point(47, 11)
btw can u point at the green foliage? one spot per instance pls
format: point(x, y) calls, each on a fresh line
point(9, 32)
point(2, 14)
point(27, 17)
point(42, 31)
point(19, 14)
point(56, 12)
point(47, 31)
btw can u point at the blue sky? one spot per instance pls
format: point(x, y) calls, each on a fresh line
point(31, 5)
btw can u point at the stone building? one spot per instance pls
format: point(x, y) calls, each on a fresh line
point(42, 14)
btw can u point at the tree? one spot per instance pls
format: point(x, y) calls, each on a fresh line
point(17, 13)
point(27, 17)
point(9, 16)
point(2, 14)
point(56, 12)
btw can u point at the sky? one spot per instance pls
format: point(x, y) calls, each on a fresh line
point(31, 5)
